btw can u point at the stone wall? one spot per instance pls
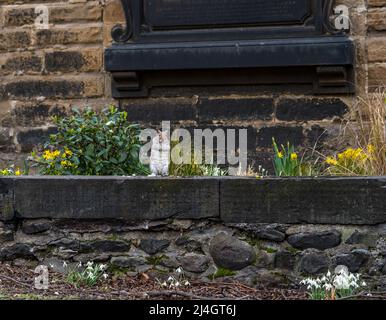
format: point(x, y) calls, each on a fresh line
point(256, 254)
point(260, 231)
point(46, 72)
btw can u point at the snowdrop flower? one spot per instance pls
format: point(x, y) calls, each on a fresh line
point(105, 275)
point(64, 264)
point(170, 278)
point(179, 270)
point(102, 267)
point(187, 283)
point(164, 284)
point(80, 264)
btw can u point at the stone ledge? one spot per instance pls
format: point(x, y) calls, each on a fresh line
point(113, 198)
point(328, 200)
point(345, 201)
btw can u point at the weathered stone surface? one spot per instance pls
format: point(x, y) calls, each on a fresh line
point(139, 198)
point(37, 88)
point(234, 109)
point(188, 244)
point(17, 250)
point(230, 252)
point(66, 61)
point(196, 263)
point(355, 260)
point(271, 232)
point(285, 260)
point(366, 238)
point(318, 240)
point(356, 201)
point(160, 109)
point(282, 135)
point(23, 64)
point(128, 262)
point(256, 277)
point(7, 211)
point(153, 246)
point(30, 139)
point(310, 109)
point(52, 36)
point(83, 258)
point(383, 270)
point(6, 235)
point(66, 243)
point(32, 226)
point(10, 40)
point(106, 246)
point(313, 262)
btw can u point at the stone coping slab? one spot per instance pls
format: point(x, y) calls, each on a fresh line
point(326, 200)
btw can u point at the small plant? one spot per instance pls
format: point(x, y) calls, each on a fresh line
point(89, 276)
point(222, 272)
point(11, 171)
point(332, 286)
point(155, 260)
point(351, 161)
point(213, 171)
point(366, 131)
point(192, 168)
point(176, 280)
point(88, 143)
point(286, 162)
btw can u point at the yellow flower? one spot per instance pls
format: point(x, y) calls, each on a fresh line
point(280, 154)
point(66, 163)
point(47, 155)
point(4, 172)
point(331, 161)
point(294, 156)
point(370, 148)
point(68, 152)
point(56, 153)
point(18, 172)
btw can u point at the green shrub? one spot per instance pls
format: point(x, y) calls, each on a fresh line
point(88, 143)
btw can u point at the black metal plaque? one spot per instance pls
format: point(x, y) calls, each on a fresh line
point(202, 13)
point(187, 43)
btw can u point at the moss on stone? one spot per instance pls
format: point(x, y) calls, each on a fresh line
point(222, 272)
point(155, 260)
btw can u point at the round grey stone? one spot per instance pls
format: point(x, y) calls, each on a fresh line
point(314, 262)
point(231, 253)
point(196, 263)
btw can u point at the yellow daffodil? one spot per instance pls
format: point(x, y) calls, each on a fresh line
point(280, 154)
point(331, 161)
point(294, 156)
point(18, 172)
